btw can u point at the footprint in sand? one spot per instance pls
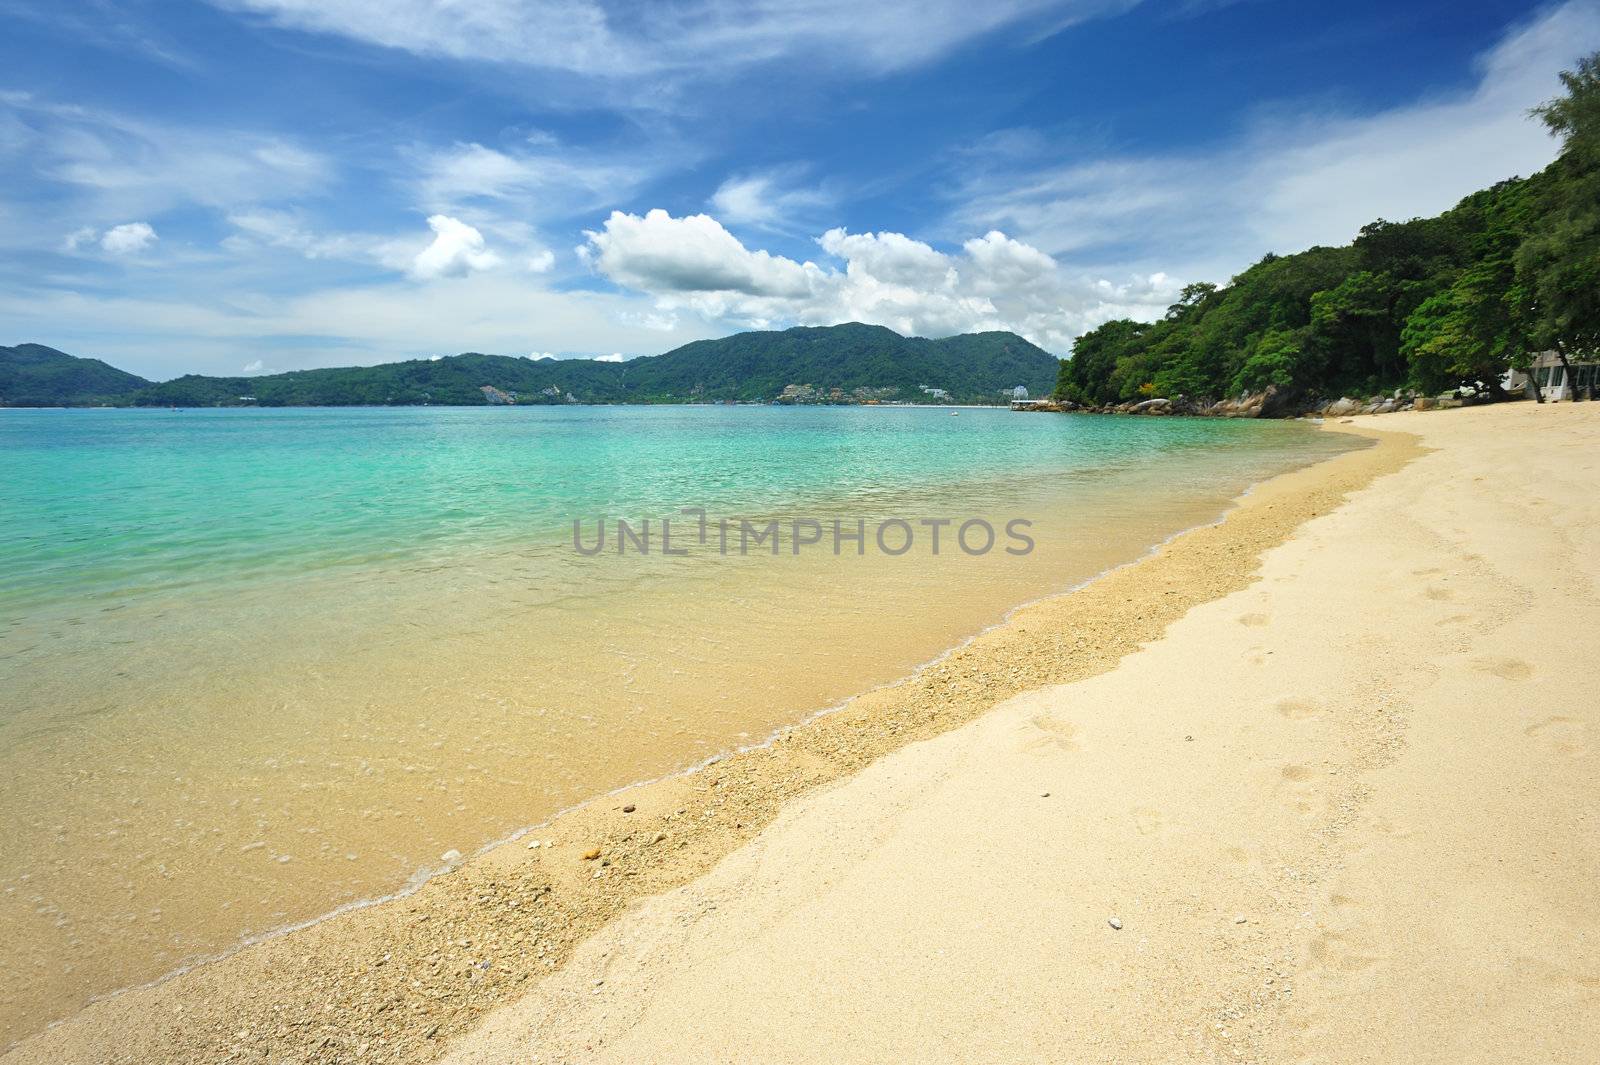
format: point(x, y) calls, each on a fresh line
point(1392, 828)
point(1504, 668)
point(1053, 735)
point(1333, 951)
point(1254, 621)
point(1301, 792)
point(1297, 709)
point(1148, 820)
point(1566, 735)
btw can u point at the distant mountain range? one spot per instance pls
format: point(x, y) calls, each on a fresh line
point(834, 364)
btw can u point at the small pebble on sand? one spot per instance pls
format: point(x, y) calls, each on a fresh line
point(1241, 919)
point(591, 854)
point(1116, 923)
point(629, 808)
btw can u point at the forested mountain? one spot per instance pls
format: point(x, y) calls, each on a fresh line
point(32, 375)
point(1432, 303)
point(843, 363)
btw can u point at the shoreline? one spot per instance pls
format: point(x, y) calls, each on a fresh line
point(694, 818)
point(1343, 812)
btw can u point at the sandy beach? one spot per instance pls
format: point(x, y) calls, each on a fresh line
point(1314, 784)
point(1343, 814)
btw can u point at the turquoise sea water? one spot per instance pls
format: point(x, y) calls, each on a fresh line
point(255, 664)
point(107, 503)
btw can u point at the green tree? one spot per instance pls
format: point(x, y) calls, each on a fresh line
point(1559, 268)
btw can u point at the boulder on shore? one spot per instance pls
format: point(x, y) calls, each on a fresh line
point(1152, 406)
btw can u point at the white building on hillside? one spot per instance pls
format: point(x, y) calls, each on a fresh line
point(1552, 377)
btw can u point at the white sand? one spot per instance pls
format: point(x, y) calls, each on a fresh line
point(1392, 778)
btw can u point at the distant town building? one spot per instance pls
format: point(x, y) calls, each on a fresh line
point(935, 393)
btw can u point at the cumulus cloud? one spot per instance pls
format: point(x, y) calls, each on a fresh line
point(253, 366)
point(457, 249)
point(615, 356)
point(659, 253)
point(540, 262)
point(1294, 179)
point(694, 264)
point(130, 238)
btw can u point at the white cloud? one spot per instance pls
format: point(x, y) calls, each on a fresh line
point(615, 356)
point(540, 262)
point(114, 164)
point(284, 229)
point(130, 238)
point(253, 366)
point(457, 249)
point(694, 264)
point(769, 200)
point(659, 253)
point(216, 329)
point(1294, 180)
point(79, 237)
point(607, 39)
point(537, 175)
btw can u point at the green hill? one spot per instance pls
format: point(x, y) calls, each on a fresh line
point(1429, 304)
point(843, 363)
point(32, 375)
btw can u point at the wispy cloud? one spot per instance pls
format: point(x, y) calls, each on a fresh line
point(98, 165)
point(1293, 180)
point(775, 200)
point(612, 40)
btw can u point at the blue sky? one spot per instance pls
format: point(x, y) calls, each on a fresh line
point(259, 185)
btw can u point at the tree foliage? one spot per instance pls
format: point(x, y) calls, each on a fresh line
point(1430, 303)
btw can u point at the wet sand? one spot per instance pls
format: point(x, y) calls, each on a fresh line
point(397, 981)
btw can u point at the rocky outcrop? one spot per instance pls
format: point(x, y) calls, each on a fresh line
point(1275, 402)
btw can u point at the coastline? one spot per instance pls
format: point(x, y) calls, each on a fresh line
point(391, 981)
point(1342, 813)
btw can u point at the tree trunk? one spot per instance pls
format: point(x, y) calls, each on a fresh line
point(1566, 369)
point(1533, 383)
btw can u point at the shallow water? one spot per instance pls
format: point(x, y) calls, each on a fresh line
point(257, 664)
